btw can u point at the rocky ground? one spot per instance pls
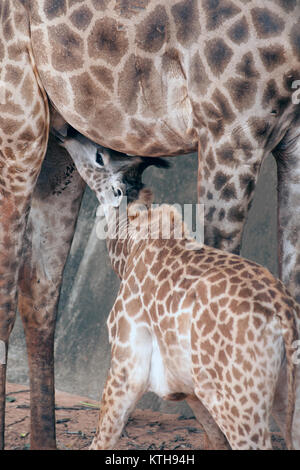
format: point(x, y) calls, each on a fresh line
point(76, 421)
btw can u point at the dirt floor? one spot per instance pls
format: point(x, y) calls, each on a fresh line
point(76, 421)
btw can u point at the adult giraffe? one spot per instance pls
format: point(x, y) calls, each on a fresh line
point(143, 77)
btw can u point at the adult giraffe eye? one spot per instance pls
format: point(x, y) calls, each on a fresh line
point(99, 159)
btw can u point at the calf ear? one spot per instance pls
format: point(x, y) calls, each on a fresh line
point(154, 161)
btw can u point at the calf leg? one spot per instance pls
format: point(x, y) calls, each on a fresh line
point(118, 401)
point(51, 225)
point(127, 381)
point(248, 430)
point(215, 436)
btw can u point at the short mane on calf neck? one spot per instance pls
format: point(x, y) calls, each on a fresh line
point(131, 229)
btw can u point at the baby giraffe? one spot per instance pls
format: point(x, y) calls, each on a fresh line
point(190, 322)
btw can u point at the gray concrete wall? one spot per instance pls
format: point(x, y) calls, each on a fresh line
point(90, 286)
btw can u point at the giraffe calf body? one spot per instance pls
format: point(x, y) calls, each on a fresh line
point(193, 322)
point(197, 324)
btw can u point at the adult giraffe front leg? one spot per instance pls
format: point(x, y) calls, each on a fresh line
point(24, 124)
point(227, 174)
point(51, 225)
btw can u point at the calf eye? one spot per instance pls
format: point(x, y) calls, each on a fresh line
point(99, 159)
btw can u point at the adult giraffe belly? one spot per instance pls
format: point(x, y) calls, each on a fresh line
point(139, 122)
point(113, 91)
point(144, 77)
point(143, 133)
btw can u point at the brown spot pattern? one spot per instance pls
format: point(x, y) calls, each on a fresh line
point(54, 8)
point(153, 32)
point(108, 40)
point(67, 48)
point(186, 17)
point(218, 12)
point(266, 22)
point(218, 55)
point(81, 18)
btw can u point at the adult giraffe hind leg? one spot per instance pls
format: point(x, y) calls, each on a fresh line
point(287, 155)
point(227, 176)
point(280, 406)
point(51, 225)
point(24, 125)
